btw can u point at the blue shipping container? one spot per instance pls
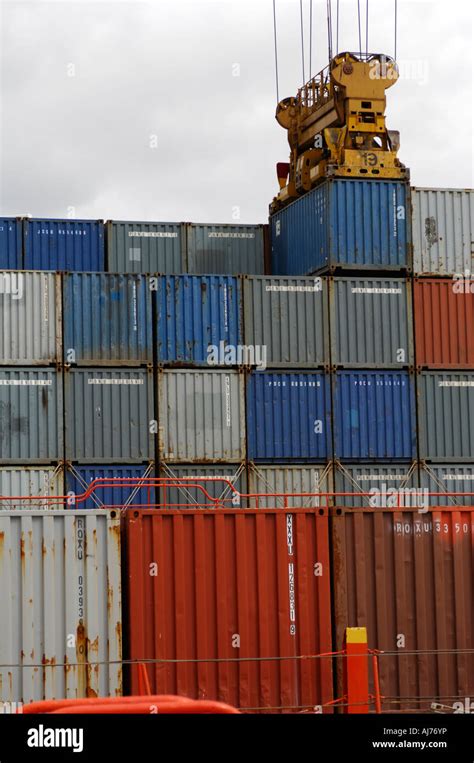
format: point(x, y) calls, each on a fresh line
point(76, 245)
point(374, 415)
point(107, 319)
point(11, 243)
point(199, 320)
point(288, 416)
point(78, 479)
point(347, 224)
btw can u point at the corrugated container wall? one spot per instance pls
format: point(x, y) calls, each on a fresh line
point(347, 224)
point(109, 415)
point(446, 416)
point(374, 415)
point(225, 249)
point(286, 319)
point(123, 495)
point(443, 231)
point(240, 586)
point(407, 578)
point(202, 416)
point(275, 480)
point(107, 319)
point(64, 245)
point(452, 478)
point(30, 318)
point(199, 320)
point(288, 416)
point(371, 322)
point(444, 323)
point(60, 605)
point(143, 247)
point(31, 415)
point(20, 481)
point(214, 480)
point(11, 243)
point(389, 486)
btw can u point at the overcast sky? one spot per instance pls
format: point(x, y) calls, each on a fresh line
point(164, 109)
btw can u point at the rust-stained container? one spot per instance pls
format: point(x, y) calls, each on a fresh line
point(444, 322)
point(407, 577)
point(213, 593)
point(60, 605)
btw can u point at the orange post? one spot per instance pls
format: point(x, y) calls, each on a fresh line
point(378, 698)
point(356, 671)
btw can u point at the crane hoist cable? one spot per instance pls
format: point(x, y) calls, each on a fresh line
point(360, 28)
point(396, 25)
point(329, 15)
point(302, 38)
point(337, 27)
point(276, 49)
point(310, 38)
point(367, 29)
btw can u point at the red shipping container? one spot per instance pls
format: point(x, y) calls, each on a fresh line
point(407, 577)
point(213, 593)
point(444, 322)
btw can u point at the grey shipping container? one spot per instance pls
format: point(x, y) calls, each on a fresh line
point(448, 478)
point(109, 415)
point(60, 605)
point(286, 321)
point(225, 249)
point(30, 318)
point(389, 486)
point(146, 247)
point(17, 482)
point(443, 231)
point(371, 322)
point(201, 416)
point(280, 479)
point(446, 416)
point(31, 415)
point(214, 480)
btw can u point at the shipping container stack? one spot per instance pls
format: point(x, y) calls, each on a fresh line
point(443, 295)
point(356, 234)
point(31, 386)
point(399, 267)
point(288, 394)
point(137, 349)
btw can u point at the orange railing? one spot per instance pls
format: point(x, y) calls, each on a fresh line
point(230, 497)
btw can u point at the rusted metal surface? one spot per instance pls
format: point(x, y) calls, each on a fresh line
point(60, 605)
point(213, 593)
point(444, 322)
point(407, 577)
